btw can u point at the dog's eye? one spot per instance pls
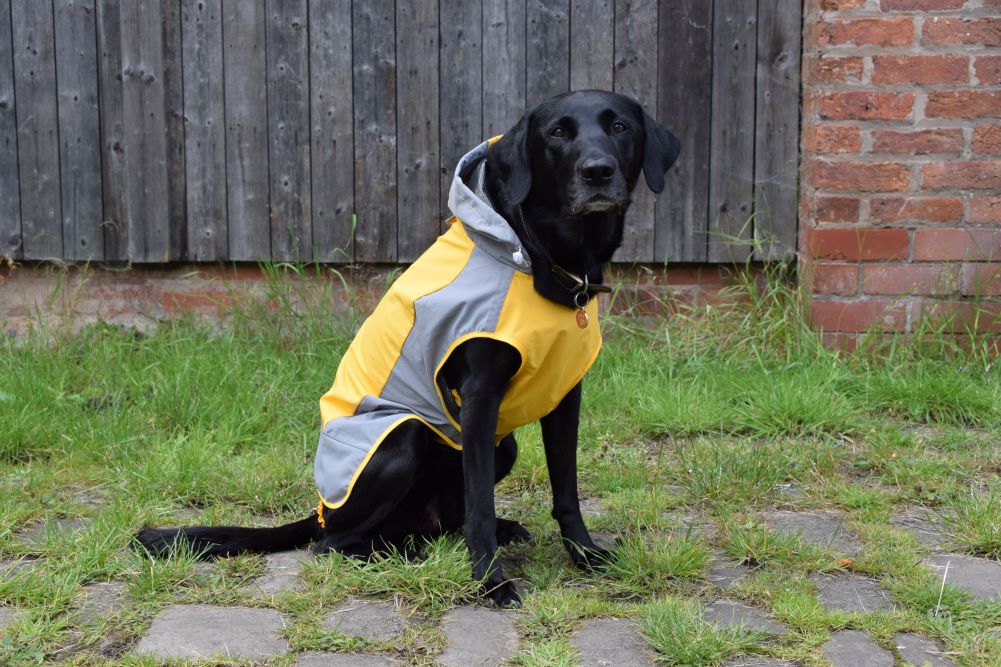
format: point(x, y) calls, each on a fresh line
point(618, 127)
point(558, 132)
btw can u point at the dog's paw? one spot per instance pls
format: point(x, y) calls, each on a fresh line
point(503, 594)
point(589, 559)
point(509, 532)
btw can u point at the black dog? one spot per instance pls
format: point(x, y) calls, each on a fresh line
point(560, 181)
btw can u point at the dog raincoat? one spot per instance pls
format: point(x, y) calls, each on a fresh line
point(473, 282)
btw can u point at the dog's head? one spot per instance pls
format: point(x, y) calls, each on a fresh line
point(582, 152)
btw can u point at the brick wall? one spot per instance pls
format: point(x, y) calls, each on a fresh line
point(901, 197)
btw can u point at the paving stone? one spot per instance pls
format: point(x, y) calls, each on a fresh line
point(313, 659)
point(283, 572)
point(730, 614)
point(823, 529)
point(478, 636)
point(978, 576)
point(848, 592)
point(375, 621)
point(40, 533)
point(611, 642)
point(922, 525)
point(851, 648)
point(99, 600)
point(919, 651)
point(12, 569)
point(202, 631)
point(7, 617)
point(726, 573)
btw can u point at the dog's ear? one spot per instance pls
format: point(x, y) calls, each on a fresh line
point(659, 152)
point(511, 157)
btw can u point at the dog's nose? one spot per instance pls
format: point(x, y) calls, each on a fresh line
point(597, 170)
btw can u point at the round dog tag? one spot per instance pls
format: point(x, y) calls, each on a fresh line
point(582, 318)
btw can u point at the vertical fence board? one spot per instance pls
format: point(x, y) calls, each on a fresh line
point(145, 200)
point(684, 105)
point(245, 74)
point(731, 171)
point(332, 151)
point(374, 63)
point(636, 76)
point(288, 130)
point(38, 129)
point(777, 129)
point(79, 129)
point(417, 128)
point(547, 56)
point(173, 99)
point(461, 86)
point(109, 46)
point(592, 40)
point(10, 196)
point(504, 75)
point(204, 130)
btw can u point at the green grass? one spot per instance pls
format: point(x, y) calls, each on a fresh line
point(693, 424)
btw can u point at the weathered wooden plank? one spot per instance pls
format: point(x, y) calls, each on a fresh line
point(374, 65)
point(173, 99)
point(504, 74)
point(777, 129)
point(684, 105)
point(109, 48)
point(10, 196)
point(79, 129)
point(548, 50)
point(245, 65)
point(145, 203)
point(288, 130)
point(332, 151)
point(204, 130)
point(731, 160)
point(461, 86)
point(592, 33)
point(636, 76)
point(417, 128)
point(38, 129)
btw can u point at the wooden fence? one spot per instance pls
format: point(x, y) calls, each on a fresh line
point(325, 130)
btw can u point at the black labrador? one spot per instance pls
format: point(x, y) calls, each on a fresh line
point(562, 178)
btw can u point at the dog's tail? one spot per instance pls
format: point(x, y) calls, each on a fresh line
point(214, 541)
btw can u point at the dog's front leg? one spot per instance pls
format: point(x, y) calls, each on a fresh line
point(559, 437)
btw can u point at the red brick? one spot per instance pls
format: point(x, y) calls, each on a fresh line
point(836, 209)
point(916, 209)
point(858, 316)
point(988, 70)
point(919, 5)
point(985, 210)
point(920, 142)
point(831, 69)
point(857, 243)
point(861, 176)
point(898, 31)
point(958, 316)
point(964, 104)
point(940, 31)
point(920, 69)
point(858, 105)
point(838, 279)
point(962, 175)
point(974, 244)
point(840, 5)
point(832, 139)
point(981, 279)
point(986, 140)
point(902, 279)
point(209, 300)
